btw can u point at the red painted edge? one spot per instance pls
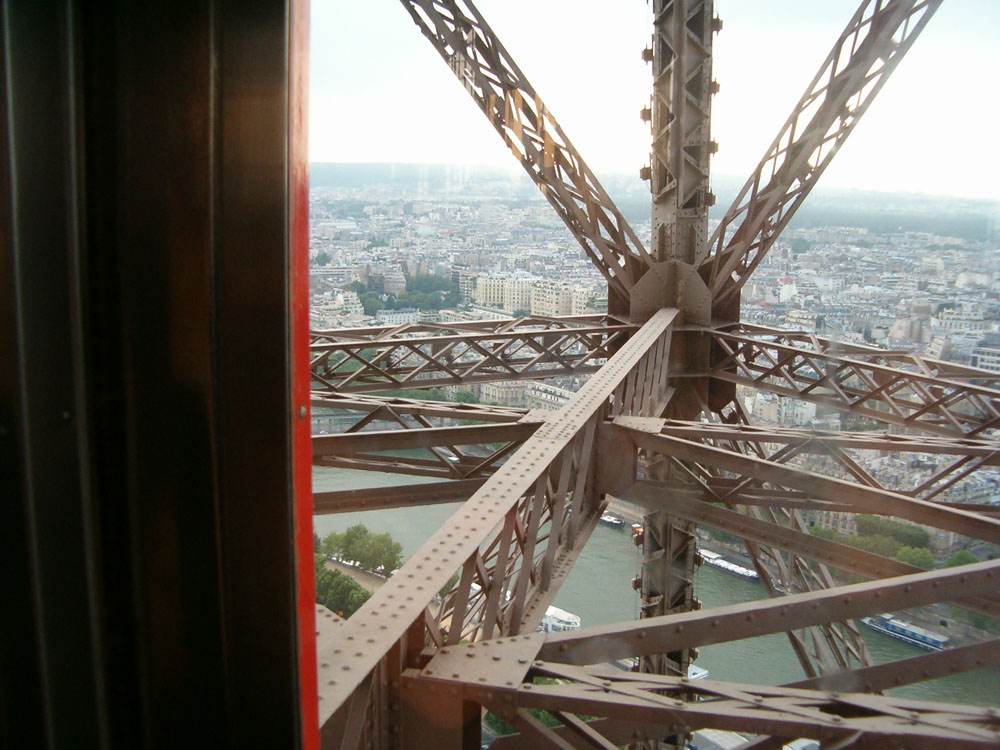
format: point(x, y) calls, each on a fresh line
point(298, 195)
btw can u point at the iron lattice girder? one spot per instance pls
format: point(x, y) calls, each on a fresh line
point(788, 444)
point(498, 674)
point(674, 702)
point(893, 387)
point(438, 453)
point(680, 117)
point(491, 77)
point(864, 55)
point(737, 621)
point(488, 73)
point(645, 434)
point(650, 496)
point(431, 355)
point(515, 537)
point(391, 408)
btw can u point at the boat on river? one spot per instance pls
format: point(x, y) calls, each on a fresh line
point(613, 521)
point(717, 561)
point(894, 627)
point(558, 620)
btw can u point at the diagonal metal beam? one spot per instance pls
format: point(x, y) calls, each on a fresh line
point(908, 671)
point(734, 622)
point(897, 388)
point(861, 61)
point(864, 499)
point(488, 538)
point(458, 32)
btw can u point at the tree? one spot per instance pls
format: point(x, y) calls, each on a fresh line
point(333, 544)
point(962, 557)
point(322, 258)
point(338, 591)
point(919, 557)
point(370, 551)
point(904, 533)
point(356, 540)
point(382, 552)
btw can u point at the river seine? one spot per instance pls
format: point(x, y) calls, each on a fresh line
point(598, 590)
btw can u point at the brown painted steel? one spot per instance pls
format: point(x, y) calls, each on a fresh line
point(516, 535)
point(858, 66)
point(908, 671)
point(841, 556)
point(353, 443)
point(720, 624)
point(479, 537)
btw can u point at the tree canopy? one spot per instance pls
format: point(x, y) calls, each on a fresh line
point(919, 557)
point(962, 557)
point(338, 591)
point(371, 551)
point(906, 534)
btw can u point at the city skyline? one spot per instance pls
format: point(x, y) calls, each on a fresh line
point(929, 132)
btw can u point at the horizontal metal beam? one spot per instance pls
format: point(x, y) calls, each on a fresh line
point(354, 443)
point(395, 496)
point(833, 719)
point(864, 499)
point(898, 388)
point(908, 671)
point(646, 700)
point(849, 559)
point(429, 356)
point(394, 405)
point(818, 441)
point(717, 625)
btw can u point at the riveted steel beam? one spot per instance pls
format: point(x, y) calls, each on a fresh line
point(512, 539)
point(720, 624)
point(861, 61)
point(460, 34)
point(369, 360)
point(897, 388)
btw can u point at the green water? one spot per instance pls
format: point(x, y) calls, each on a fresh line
point(598, 590)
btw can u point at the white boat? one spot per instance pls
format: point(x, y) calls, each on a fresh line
point(716, 561)
point(613, 521)
point(558, 620)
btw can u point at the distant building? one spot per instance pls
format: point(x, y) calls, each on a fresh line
point(551, 298)
point(986, 353)
point(397, 317)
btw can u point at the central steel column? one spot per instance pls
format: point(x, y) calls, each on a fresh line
point(679, 167)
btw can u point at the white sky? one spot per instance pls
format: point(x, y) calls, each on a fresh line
point(381, 93)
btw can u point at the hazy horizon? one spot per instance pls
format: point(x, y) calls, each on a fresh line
point(381, 94)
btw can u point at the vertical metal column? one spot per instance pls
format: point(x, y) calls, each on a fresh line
point(681, 111)
point(679, 169)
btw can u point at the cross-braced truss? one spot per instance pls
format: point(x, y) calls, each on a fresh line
point(660, 424)
point(430, 355)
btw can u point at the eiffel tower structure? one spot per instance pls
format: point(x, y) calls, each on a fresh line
point(660, 424)
point(155, 455)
